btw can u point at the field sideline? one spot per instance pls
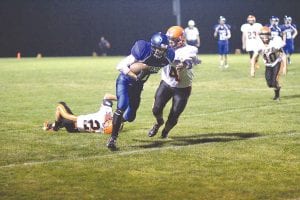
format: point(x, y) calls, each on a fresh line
point(232, 141)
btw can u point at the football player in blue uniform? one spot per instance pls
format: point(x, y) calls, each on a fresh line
point(222, 31)
point(155, 54)
point(290, 32)
point(274, 27)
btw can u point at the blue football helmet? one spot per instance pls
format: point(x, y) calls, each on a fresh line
point(159, 44)
point(274, 20)
point(287, 19)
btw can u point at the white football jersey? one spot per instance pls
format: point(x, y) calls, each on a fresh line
point(169, 73)
point(271, 53)
point(95, 121)
point(191, 33)
point(252, 36)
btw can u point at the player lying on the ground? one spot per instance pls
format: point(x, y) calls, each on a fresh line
point(272, 52)
point(99, 122)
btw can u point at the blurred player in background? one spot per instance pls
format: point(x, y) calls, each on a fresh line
point(222, 31)
point(278, 34)
point(104, 46)
point(192, 34)
point(155, 54)
point(274, 27)
point(99, 122)
point(271, 51)
point(250, 32)
point(290, 32)
point(176, 83)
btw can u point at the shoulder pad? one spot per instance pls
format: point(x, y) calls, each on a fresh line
point(170, 54)
point(141, 49)
point(228, 26)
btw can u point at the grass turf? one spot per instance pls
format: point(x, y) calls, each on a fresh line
point(232, 141)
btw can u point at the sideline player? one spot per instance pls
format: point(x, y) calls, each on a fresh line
point(192, 34)
point(277, 33)
point(222, 31)
point(155, 54)
point(176, 83)
point(290, 32)
point(271, 51)
point(250, 32)
point(99, 122)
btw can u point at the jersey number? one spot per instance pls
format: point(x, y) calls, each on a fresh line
point(270, 58)
point(251, 35)
point(173, 73)
point(91, 124)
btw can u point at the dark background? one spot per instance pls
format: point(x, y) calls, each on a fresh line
point(74, 27)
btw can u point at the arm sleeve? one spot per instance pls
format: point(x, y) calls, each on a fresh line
point(123, 66)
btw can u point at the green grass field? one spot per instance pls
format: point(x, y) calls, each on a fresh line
point(232, 141)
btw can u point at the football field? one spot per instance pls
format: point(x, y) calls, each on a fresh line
point(231, 142)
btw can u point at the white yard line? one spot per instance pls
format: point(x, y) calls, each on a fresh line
point(125, 153)
point(240, 109)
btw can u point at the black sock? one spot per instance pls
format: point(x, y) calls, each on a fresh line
point(117, 121)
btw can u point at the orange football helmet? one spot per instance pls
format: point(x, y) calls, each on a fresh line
point(176, 36)
point(265, 34)
point(107, 127)
point(251, 19)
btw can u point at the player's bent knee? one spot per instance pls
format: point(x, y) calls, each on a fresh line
point(156, 110)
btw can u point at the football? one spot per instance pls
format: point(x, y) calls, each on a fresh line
point(137, 67)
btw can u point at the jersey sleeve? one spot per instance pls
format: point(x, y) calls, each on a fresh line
point(243, 28)
point(170, 55)
point(141, 49)
point(123, 66)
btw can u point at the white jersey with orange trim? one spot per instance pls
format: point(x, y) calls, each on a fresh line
point(252, 36)
point(271, 53)
point(95, 121)
point(183, 78)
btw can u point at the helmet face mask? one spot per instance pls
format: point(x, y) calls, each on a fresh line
point(265, 35)
point(265, 38)
point(274, 21)
point(159, 45)
point(287, 20)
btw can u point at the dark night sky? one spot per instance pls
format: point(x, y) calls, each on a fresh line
point(73, 27)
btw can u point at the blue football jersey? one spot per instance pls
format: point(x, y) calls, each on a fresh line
point(275, 30)
point(223, 31)
point(289, 30)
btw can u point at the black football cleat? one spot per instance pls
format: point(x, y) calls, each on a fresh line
point(164, 134)
point(277, 94)
point(154, 129)
point(111, 144)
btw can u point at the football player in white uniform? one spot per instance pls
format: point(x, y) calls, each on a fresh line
point(272, 53)
point(192, 34)
point(99, 122)
point(176, 83)
point(250, 40)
